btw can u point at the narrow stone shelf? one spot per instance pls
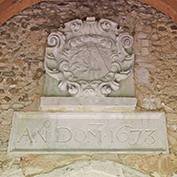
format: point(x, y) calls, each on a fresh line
point(106, 104)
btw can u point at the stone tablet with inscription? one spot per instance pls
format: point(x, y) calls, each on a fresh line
point(74, 132)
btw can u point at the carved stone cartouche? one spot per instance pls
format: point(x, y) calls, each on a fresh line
point(89, 58)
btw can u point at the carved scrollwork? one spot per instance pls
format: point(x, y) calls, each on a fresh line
point(126, 40)
point(90, 57)
point(55, 40)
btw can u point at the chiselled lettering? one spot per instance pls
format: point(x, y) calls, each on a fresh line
point(80, 136)
point(26, 137)
point(150, 136)
point(43, 131)
point(135, 136)
point(93, 133)
point(96, 131)
point(63, 134)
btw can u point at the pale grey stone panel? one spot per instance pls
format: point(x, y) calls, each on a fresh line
point(111, 104)
point(74, 132)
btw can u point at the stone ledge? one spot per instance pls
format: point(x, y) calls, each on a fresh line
point(106, 104)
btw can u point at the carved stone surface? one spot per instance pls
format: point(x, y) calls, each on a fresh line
point(74, 132)
point(94, 169)
point(89, 58)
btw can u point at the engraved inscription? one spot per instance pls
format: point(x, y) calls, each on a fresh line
point(31, 136)
point(89, 131)
point(43, 131)
point(134, 136)
point(94, 134)
point(63, 134)
point(25, 136)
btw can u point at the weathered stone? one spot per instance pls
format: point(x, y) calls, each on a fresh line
point(12, 86)
point(7, 99)
point(141, 35)
point(3, 67)
point(8, 73)
point(34, 28)
point(24, 24)
point(13, 173)
point(10, 80)
point(9, 166)
point(145, 51)
point(13, 90)
point(143, 76)
point(173, 27)
point(1, 79)
point(39, 72)
point(94, 169)
point(7, 116)
point(2, 91)
point(154, 37)
point(23, 97)
point(145, 43)
point(162, 28)
point(152, 103)
point(4, 106)
point(17, 106)
point(147, 28)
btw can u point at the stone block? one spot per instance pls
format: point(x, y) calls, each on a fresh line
point(81, 104)
point(86, 132)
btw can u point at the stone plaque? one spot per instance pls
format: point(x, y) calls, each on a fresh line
point(74, 132)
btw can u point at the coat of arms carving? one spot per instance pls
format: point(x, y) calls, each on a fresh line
point(89, 58)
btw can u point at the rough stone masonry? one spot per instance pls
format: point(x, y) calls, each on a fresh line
point(22, 44)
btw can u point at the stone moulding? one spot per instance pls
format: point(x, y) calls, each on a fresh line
point(80, 104)
point(89, 58)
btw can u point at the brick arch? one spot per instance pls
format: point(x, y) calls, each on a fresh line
point(10, 8)
point(168, 7)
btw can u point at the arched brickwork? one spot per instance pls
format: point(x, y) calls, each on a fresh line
point(169, 7)
point(9, 8)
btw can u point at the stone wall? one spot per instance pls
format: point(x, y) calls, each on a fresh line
point(22, 44)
